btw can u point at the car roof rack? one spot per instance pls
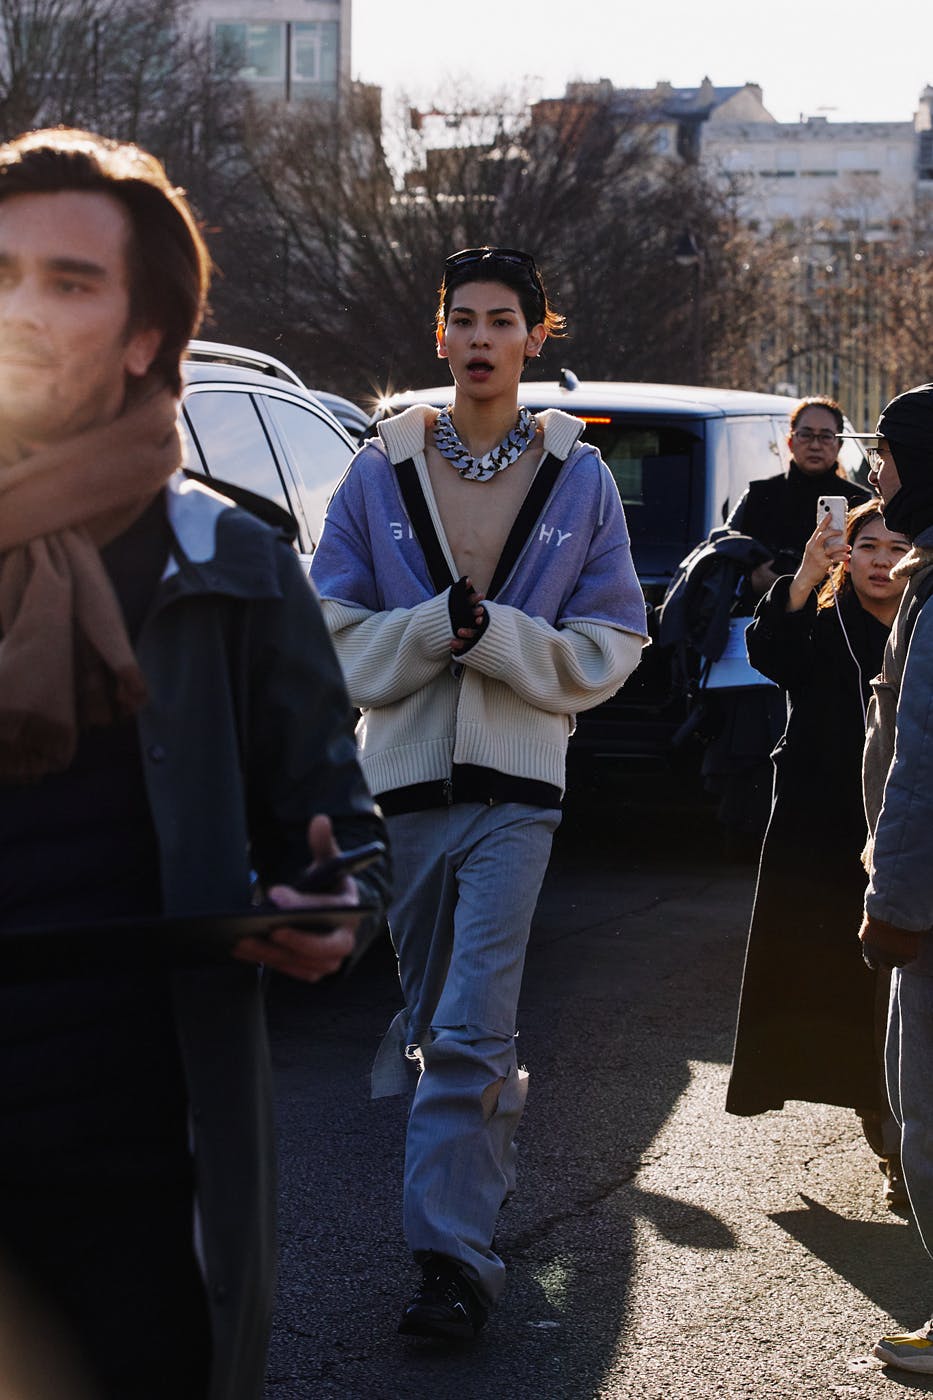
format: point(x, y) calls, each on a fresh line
point(215, 352)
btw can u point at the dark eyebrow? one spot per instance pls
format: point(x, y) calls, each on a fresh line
point(79, 267)
point(493, 311)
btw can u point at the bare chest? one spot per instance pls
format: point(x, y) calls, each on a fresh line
point(478, 515)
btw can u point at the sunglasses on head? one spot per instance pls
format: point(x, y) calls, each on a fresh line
point(466, 256)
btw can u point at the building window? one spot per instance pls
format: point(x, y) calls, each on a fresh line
point(314, 53)
point(925, 155)
point(257, 49)
point(300, 58)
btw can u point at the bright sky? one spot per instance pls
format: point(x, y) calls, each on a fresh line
point(863, 60)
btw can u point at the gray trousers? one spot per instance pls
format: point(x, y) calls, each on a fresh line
point(909, 1068)
point(467, 880)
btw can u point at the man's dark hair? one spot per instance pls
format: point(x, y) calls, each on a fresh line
point(168, 265)
point(523, 279)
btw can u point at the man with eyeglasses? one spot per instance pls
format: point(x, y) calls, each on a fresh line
point(477, 580)
point(780, 513)
point(897, 929)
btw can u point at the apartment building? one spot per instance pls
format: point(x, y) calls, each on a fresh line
point(841, 175)
point(814, 173)
point(286, 49)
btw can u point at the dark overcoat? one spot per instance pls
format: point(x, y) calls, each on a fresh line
point(246, 734)
point(807, 1011)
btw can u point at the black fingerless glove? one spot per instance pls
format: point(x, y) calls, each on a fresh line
point(461, 606)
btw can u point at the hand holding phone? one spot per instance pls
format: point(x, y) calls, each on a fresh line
point(326, 874)
point(311, 955)
point(835, 507)
point(825, 547)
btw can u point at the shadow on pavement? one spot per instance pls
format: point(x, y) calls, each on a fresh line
point(889, 1266)
point(908, 1381)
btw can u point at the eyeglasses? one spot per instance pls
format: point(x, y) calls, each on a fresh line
point(466, 256)
point(807, 435)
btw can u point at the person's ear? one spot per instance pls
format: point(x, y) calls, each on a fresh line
point(142, 346)
point(535, 341)
point(441, 338)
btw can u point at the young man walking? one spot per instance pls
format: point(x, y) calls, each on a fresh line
point(172, 718)
point(477, 580)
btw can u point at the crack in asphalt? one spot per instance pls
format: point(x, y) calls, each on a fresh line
point(583, 1206)
point(542, 930)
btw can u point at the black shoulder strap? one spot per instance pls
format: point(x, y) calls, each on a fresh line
point(423, 525)
point(260, 506)
point(530, 509)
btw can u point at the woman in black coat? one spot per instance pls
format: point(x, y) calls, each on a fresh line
point(777, 511)
point(806, 1016)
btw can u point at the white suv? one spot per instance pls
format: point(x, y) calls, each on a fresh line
point(252, 425)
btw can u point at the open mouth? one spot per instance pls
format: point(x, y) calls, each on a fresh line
point(479, 366)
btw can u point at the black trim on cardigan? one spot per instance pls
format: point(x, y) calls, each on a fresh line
point(423, 526)
point(468, 783)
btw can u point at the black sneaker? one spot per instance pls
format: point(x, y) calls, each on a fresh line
point(446, 1305)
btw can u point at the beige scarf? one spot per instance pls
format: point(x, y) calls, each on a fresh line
point(66, 661)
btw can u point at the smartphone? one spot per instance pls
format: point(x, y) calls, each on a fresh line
point(835, 507)
point(326, 874)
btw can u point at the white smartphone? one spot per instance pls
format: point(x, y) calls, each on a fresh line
point(835, 507)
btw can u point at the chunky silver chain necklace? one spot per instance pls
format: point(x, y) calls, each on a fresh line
point(448, 444)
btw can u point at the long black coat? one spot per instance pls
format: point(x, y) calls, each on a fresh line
point(806, 1017)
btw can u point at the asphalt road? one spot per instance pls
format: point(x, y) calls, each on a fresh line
point(657, 1246)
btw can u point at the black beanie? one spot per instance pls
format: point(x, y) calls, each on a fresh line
point(906, 424)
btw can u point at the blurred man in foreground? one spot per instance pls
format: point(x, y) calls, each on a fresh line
point(171, 718)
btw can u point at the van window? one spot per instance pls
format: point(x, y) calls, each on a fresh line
point(233, 442)
point(757, 447)
point(317, 454)
point(655, 467)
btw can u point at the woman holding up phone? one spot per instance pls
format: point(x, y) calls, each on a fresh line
point(806, 1027)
